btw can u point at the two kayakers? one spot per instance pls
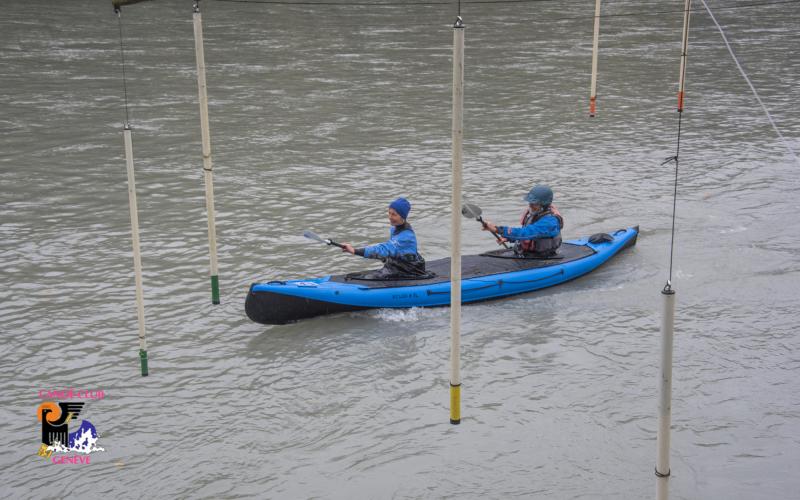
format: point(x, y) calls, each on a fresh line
point(540, 233)
point(538, 236)
point(399, 253)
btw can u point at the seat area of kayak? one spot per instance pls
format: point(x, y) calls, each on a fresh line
point(474, 266)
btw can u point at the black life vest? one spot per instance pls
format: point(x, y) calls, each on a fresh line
point(406, 266)
point(540, 246)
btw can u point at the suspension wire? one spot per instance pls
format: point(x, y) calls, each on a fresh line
point(674, 199)
point(380, 4)
point(118, 11)
point(744, 75)
point(489, 2)
point(681, 89)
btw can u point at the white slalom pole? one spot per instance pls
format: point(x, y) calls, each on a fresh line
point(684, 51)
point(593, 91)
point(208, 174)
point(137, 258)
point(455, 223)
point(665, 399)
point(134, 209)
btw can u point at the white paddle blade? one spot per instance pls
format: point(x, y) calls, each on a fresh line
point(313, 236)
point(471, 211)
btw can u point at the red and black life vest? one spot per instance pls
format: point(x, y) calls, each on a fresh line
point(540, 246)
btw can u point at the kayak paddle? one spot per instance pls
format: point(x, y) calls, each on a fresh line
point(314, 236)
point(474, 212)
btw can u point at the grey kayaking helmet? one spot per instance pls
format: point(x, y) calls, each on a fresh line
point(540, 195)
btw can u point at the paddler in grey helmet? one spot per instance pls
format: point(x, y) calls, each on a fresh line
point(540, 233)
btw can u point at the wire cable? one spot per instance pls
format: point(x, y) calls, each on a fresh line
point(744, 75)
point(489, 2)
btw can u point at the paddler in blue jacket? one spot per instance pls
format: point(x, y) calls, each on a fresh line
point(399, 253)
point(540, 233)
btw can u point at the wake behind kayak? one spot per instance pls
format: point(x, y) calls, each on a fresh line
point(486, 276)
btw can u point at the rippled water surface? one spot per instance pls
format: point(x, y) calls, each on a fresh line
point(322, 114)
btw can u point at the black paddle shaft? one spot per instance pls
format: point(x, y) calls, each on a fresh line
point(480, 219)
point(331, 242)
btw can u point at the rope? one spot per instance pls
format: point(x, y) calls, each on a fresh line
point(118, 11)
point(741, 70)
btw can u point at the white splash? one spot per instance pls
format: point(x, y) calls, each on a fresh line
point(84, 443)
point(406, 315)
point(739, 229)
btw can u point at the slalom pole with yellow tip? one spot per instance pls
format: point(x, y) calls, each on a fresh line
point(455, 225)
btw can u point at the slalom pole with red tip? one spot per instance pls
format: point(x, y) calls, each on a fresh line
point(595, 43)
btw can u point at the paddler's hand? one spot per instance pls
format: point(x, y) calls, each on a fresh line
point(347, 247)
point(501, 240)
point(488, 226)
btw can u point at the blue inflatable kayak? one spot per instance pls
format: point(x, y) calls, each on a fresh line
point(486, 276)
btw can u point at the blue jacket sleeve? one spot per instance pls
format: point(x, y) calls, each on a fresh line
point(546, 227)
point(400, 244)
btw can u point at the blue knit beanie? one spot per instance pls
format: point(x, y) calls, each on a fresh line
point(401, 206)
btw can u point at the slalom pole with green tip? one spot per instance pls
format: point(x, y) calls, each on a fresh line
point(208, 174)
point(595, 43)
point(668, 319)
point(455, 224)
point(137, 258)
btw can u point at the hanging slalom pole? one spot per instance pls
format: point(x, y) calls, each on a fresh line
point(684, 49)
point(593, 91)
point(668, 315)
point(455, 222)
point(208, 174)
point(137, 258)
